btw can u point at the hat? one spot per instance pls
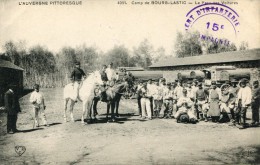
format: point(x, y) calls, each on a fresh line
point(227, 82)
point(77, 63)
point(243, 80)
point(195, 80)
point(234, 80)
point(36, 86)
point(111, 63)
point(213, 83)
point(199, 84)
point(168, 84)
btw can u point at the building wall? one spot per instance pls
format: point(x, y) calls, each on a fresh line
point(245, 64)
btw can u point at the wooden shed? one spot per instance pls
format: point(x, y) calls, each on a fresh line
point(10, 74)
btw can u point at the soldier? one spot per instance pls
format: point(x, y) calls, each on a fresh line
point(227, 105)
point(157, 98)
point(244, 98)
point(139, 86)
point(255, 103)
point(76, 77)
point(151, 88)
point(145, 102)
point(185, 107)
point(39, 106)
point(214, 97)
point(167, 101)
point(233, 88)
point(201, 102)
point(12, 107)
point(178, 90)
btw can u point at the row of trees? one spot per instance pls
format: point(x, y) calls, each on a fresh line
point(51, 70)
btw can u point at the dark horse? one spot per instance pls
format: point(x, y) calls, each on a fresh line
point(112, 96)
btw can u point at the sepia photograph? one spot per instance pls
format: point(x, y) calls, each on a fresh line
point(129, 82)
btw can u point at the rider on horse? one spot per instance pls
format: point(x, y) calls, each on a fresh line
point(76, 77)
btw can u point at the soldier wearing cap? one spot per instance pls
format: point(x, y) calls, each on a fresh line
point(168, 95)
point(214, 97)
point(76, 77)
point(12, 107)
point(158, 99)
point(233, 88)
point(201, 97)
point(255, 103)
point(244, 98)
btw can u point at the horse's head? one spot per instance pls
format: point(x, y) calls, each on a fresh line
point(97, 77)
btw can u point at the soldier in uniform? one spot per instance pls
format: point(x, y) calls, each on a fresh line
point(168, 101)
point(255, 103)
point(201, 102)
point(12, 107)
point(76, 77)
point(145, 102)
point(244, 98)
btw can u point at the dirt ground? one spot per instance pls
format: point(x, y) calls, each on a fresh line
point(128, 141)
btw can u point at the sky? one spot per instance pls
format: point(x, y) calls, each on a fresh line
point(104, 23)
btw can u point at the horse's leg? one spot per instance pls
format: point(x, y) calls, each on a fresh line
point(113, 111)
point(65, 109)
point(117, 105)
point(72, 103)
point(83, 111)
point(108, 107)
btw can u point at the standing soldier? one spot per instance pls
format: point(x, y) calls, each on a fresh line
point(145, 102)
point(255, 103)
point(201, 102)
point(167, 101)
point(178, 90)
point(244, 98)
point(76, 77)
point(12, 107)
point(214, 97)
point(157, 97)
point(37, 100)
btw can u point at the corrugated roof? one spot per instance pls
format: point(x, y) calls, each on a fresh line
point(234, 56)
point(8, 64)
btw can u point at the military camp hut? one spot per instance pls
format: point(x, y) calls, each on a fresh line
point(246, 59)
point(9, 74)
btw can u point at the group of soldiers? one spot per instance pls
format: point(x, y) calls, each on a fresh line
point(193, 101)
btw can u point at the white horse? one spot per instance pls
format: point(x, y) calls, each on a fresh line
point(86, 94)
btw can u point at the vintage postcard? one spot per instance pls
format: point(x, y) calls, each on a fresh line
point(129, 82)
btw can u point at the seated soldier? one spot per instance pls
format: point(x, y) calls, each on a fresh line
point(227, 105)
point(185, 107)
